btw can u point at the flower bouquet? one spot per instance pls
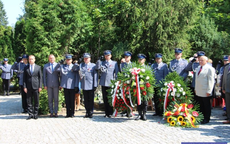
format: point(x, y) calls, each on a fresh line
point(133, 85)
point(183, 115)
point(173, 89)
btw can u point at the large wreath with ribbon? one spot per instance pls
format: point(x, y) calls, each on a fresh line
point(183, 115)
point(134, 84)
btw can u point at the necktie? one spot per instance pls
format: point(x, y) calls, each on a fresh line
point(31, 69)
point(52, 67)
point(200, 70)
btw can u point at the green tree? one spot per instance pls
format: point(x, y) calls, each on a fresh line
point(3, 17)
point(52, 26)
point(19, 38)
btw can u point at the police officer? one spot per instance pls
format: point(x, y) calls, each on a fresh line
point(142, 108)
point(160, 70)
point(20, 70)
point(221, 73)
point(7, 74)
point(193, 64)
point(70, 83)
point(109, 70)
point(16, 66)
point(89, 82)
point(178, 64)
point(51, 84)
point(127, 62)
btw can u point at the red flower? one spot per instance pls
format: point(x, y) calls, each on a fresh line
point(127, 93)
point(125, 84)
point(142, 88)
point(135, 95)
point(190, 106)
point(148, 85)
point(182, 109)
point(144, 93)
point(127, 88)
point(134, 90)
point(195, 113)
point(160, 100)
point(184, 114)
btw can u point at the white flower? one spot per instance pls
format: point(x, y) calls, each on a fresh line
point(141, 76)
point(120, 95)
point(178, 123)
point(133, 77)
point(174, 89)
point(183, 93)
point(172, 82)
point(141, 82)
point(178, 94)
point(147, 77)
point(165, 89)
point(161, 89)
point(130, 70)
point(178, 85)
point(166, 84)
point(127, 81)
point(143, 70)
point(128, 76)
point(181, 89)
point(173, 93)
point(111, 91)
point(113, 86)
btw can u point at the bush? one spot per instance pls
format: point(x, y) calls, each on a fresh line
point(43, 101)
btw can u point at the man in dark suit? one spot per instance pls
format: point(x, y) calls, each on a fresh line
point(32, 79)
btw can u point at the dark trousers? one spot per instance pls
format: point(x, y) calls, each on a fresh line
point(227, 102)
point(205, 107)
point(108, 108)
point(88, 100)
point(33, 101)
point(142, 108)
point(6, 84)
point(24, 98)
point(158, 110)
point(69, 101)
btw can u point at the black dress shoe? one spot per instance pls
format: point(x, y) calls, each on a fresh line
point(90, 115)
point(109, 116)
point(204, 122)
point(144, 117)
point(128, 115)
point(24, 111)
point(86, 115)
point(29, 117)
point(36, 117)
point(105, 116)
point(139, 117)
point(155, 114)
point(67, 116)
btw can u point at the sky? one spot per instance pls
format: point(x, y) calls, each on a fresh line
point(13, 9)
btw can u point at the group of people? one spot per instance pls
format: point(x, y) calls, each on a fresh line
point(56, 76)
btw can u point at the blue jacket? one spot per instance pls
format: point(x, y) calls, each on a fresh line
point(50, 78)
point(160, 71)
point(179, 66)
point(7, 72)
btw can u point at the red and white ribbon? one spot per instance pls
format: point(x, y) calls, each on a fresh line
point(114, 96)
point(124, 99)
point(135, 72)
point(170, 88)
point(115, 113)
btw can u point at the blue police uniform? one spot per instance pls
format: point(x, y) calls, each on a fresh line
point(19, 69)
point(179, 65)
point(89, 83)
point(7, 74)
point(142, 108)
point(69, 80)
point(109, 70)
point(221, 73)
point(160, 72)
point(125, 64)
point(51, 81)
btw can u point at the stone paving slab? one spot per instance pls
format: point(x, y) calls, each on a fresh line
point(15, 129)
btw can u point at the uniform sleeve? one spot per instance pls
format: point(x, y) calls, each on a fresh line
point(166, 71)
point(224, 77)
point(40, 77)
point(95, 77)
point(75, 67)
point(11, 72)
point(58, 68)
point(98, 64)
point(185, 72)
point(116, 70)
point(211, 80)
point(77, 80)
point(44, 76)
point(24, 78)
point(189, 67)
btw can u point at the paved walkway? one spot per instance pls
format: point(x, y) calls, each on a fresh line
point(15, 129)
